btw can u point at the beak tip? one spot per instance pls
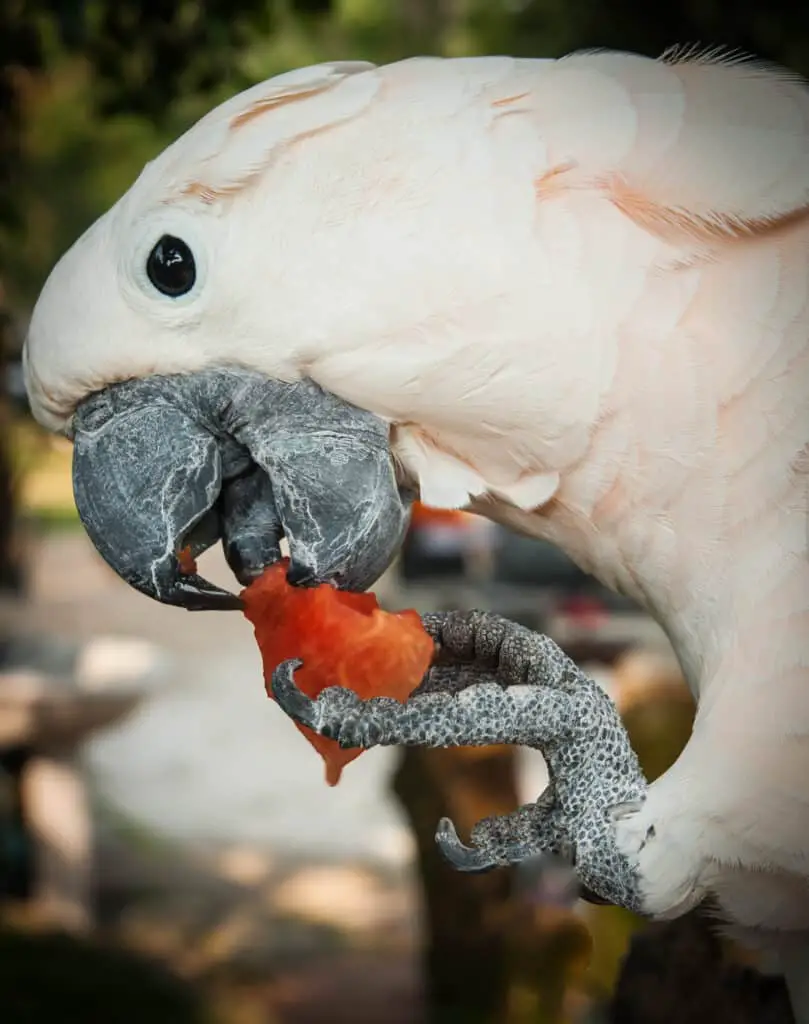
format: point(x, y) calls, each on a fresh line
point(196, 594)
point(176, 586)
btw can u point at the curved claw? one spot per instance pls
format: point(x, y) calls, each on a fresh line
point(590, 897)
point(464, 858)
point(196, 594)
point(293, 701)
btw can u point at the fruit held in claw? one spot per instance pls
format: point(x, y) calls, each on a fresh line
point(343, 639)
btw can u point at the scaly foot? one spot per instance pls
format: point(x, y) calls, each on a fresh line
point(495, 682)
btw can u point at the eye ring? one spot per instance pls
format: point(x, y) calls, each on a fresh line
point(171, 267)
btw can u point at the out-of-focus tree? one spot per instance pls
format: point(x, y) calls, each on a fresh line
point(777, 31)
point(20, 51)
point(147, 54)
point(90, 90)
point(20, 55)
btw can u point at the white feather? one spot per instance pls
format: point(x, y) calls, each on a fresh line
point(580, 286)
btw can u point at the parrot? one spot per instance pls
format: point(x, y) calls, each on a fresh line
point(567, 294)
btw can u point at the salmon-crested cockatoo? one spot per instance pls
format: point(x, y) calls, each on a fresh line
point(571, 295)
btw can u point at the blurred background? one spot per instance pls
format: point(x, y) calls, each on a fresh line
point(168, 847)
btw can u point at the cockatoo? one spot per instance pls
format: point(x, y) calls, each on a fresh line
point(571, 295)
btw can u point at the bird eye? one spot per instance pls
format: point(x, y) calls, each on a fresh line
point(171, 267)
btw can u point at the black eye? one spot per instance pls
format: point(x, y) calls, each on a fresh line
point(171, 267)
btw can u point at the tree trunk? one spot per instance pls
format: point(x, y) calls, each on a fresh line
point(680, 971)
point(465, 934)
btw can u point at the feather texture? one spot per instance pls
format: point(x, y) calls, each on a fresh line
point(578, 289)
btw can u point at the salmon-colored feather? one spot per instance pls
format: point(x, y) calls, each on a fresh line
point(579, 291)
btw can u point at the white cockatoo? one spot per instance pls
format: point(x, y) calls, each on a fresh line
point(571, 295)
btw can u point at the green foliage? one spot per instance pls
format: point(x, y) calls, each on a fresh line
point(75, 163)
point(144, 53)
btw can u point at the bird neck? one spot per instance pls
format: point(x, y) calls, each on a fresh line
point(728, 582)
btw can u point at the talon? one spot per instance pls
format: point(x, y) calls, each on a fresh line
point(293, 701)
point(463, 858)
point(196, 594)
point(590, 897)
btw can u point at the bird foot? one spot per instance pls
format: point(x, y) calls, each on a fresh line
point(495, 682)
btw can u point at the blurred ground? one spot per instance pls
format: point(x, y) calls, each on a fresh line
point(220, 848)
point(219, 845)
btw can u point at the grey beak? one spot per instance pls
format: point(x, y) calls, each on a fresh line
point(142, 481)
point(183, 461)
point(332, 476)
point(250, 525)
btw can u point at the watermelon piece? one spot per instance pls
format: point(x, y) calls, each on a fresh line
point(343, 639)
